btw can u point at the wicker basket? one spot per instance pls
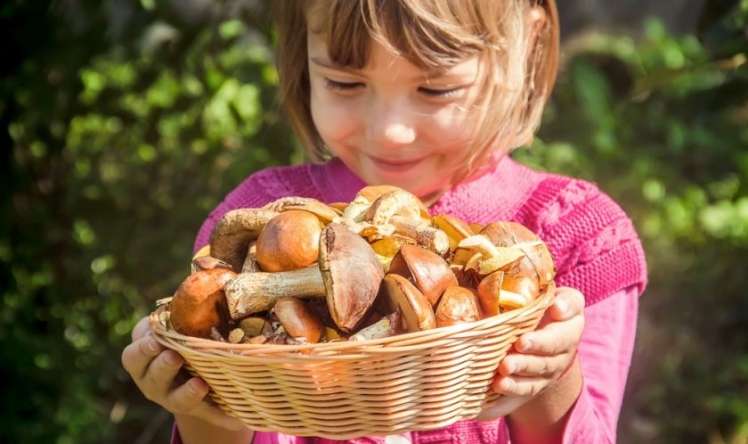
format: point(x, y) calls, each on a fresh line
point(340, 390)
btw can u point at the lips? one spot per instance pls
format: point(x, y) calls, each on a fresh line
point(394, 166)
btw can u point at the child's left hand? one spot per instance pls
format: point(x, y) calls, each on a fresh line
point(540, 357)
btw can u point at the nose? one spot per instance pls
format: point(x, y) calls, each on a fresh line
point(391, 125)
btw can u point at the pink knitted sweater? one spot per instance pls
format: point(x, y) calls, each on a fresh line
point(594, 245)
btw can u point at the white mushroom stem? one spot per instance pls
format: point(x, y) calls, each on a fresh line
point(380, 329)
point(251, 293)
point(425, 235)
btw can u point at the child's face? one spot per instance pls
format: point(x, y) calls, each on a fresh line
point(391, 122)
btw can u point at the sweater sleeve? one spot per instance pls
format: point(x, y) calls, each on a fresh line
point(605, 354)
point(256, 190)
point(593, 242)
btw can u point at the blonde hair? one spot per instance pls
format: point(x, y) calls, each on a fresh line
point(434, 34)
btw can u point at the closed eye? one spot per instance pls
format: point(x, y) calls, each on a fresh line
point(342, 86)
point(440, 92)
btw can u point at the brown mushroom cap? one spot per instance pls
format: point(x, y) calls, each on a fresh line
point(428, 271)
point(402, 296)
point(289, 241)
point(199, 304)
point(231, 236)
point(456, 306)
point(351, 274)
point(537, 262)
point(489, 291)
point(297, 320)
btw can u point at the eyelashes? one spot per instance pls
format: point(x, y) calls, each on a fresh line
point(335, 85)
point(342, 86)
point(440, 92)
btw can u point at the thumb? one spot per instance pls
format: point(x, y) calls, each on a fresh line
point(569, 302)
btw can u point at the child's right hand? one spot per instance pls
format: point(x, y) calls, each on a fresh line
point(155, 369)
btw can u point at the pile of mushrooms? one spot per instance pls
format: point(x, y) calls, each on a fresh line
point(300, 271)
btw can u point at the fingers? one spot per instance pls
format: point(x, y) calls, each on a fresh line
point(568, 303)
point(160, 374)
point(141, 329)
point(188, 396)
point(138, 355)
point(519, 386)
point(534, 366)
point(552, 339)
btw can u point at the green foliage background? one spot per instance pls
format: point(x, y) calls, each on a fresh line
point(119, 141)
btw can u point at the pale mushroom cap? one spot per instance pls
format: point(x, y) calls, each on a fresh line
point(231, 236)
point(538, 260)
point(351, 273)
point(326, 213)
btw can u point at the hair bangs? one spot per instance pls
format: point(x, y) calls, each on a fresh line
point(430, 35)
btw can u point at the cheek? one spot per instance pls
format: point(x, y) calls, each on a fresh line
point(450, 129)
point(334, 119)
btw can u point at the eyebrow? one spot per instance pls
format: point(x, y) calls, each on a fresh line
point(331, 65)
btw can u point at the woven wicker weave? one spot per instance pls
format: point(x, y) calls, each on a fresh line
point(341, 390)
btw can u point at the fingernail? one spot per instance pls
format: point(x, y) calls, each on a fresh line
point(198, 385)
point(507, 384)
point(509, 367)
point(525, 344)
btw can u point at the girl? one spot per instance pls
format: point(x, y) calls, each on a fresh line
point(431, 96)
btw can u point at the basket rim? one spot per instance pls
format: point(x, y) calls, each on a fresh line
point(401, 342)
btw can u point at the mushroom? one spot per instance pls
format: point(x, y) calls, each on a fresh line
point(426, 269)
point(199, 305)
point(400, 295)
point(324, 212)
point(396, 202)
point(255, 326)
point(455, 229)
point(250, 261)
point(208, 263)
point(385, 327)
point(232, 234)
point(537, 260)
point(289, 241)
point(297, 320)
point(387, 248)
point(501, 291)
point(348, 275)
point(457, 305)
point(393, 211)
point(405, 212)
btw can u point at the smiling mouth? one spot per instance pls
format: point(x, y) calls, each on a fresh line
point(394, 163)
